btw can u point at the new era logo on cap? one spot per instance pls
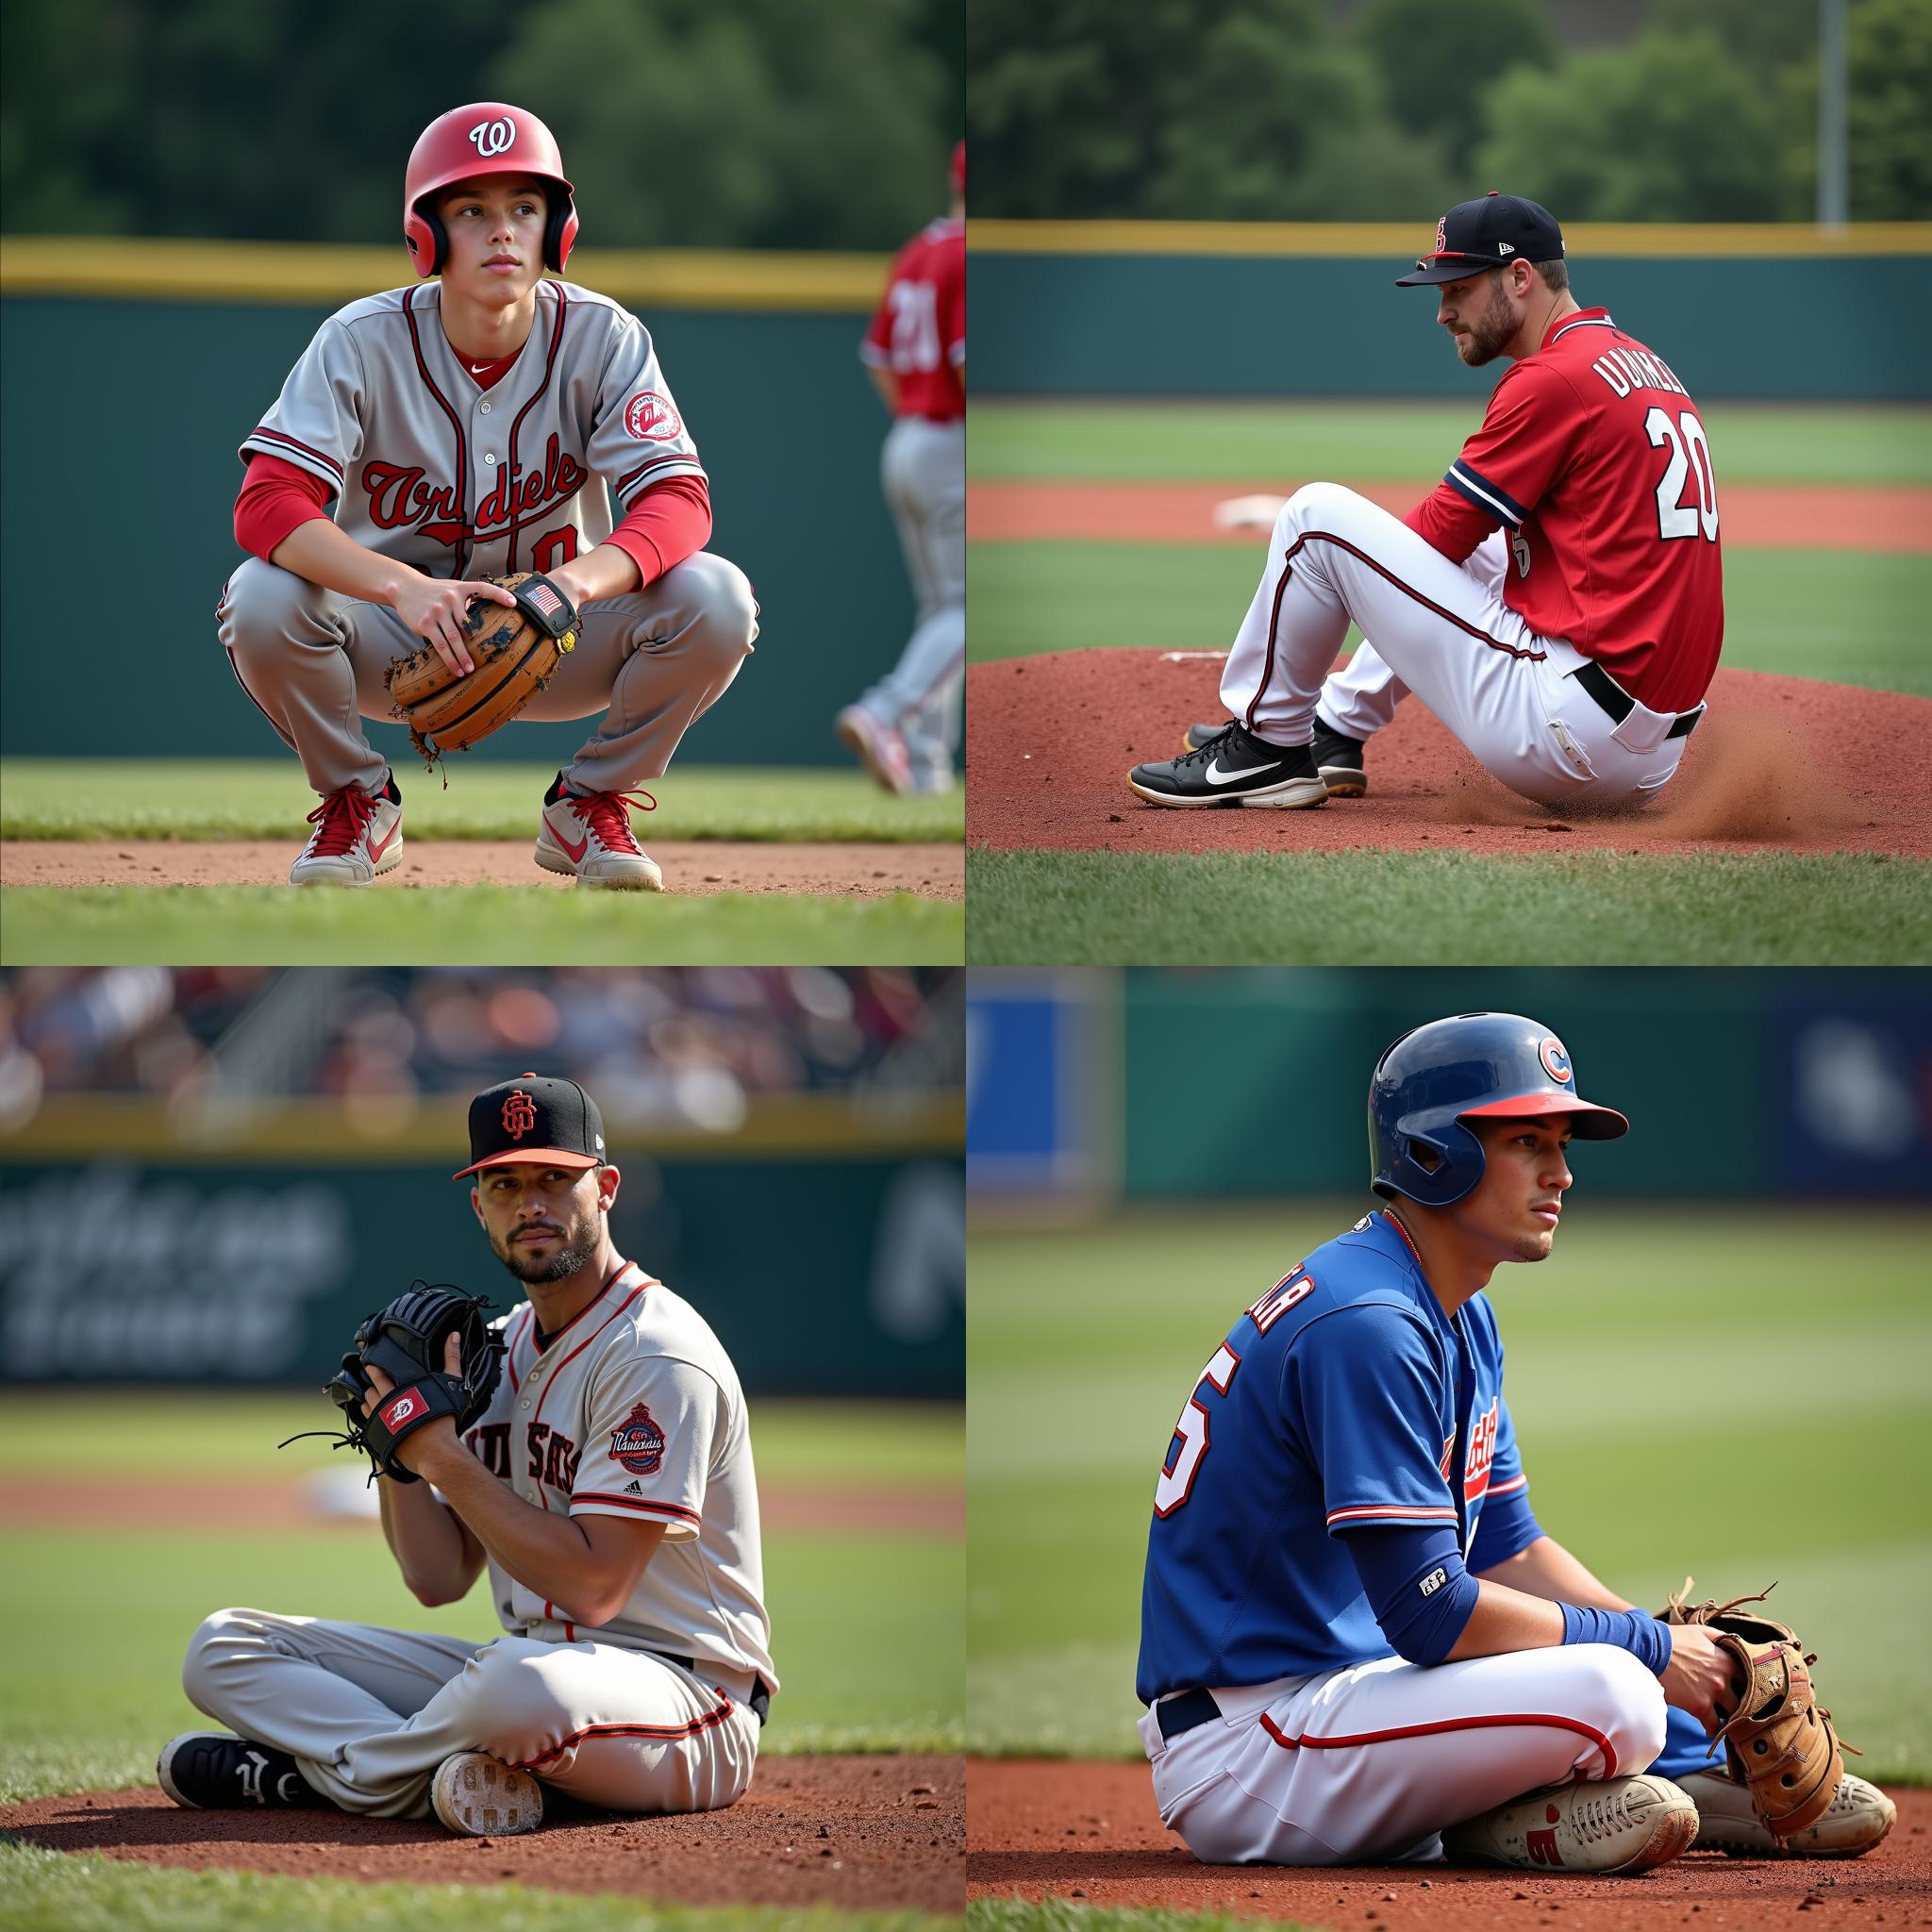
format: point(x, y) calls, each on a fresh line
point(1487, 233)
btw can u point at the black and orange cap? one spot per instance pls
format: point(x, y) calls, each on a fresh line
point(535, 1120)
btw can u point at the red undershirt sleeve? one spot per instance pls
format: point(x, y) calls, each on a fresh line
point(668, 523)
point(275, 497)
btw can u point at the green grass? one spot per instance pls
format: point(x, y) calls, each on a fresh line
point(1295, 442)
point(251, 925)
point(267, 798)
point(1848, 618)
point(49, 1891)
point(1396, 909)
point(867, 1628)
point(1651, 1363)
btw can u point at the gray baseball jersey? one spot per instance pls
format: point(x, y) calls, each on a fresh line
point(633, 1409)
point(428, 466)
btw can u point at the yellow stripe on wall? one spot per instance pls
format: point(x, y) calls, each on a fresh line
point(1400, 240)
point(155, 268)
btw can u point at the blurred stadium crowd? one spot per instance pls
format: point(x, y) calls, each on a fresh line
point(690, 1045)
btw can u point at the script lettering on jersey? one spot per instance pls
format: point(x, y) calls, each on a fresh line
point(402, 495)
point(490, 1445)
point(1270, 1307)
point(1482, 1452)
point(553, 1456)
point(1632, 369)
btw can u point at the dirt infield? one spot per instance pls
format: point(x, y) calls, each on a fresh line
point(1778, 763)
point(1756, 517)
point(692, 867)
point(1090, 1832)
point(863, 1833)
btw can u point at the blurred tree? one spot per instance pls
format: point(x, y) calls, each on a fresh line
point(1663, 129)
point(1760, 35)
point(808, 122)
point(1438, 62)
point(1888, 110)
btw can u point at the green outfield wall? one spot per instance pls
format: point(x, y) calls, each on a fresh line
point(1237, 309)
point(129, 373)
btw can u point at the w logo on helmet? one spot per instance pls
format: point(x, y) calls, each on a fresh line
point(1556, 1060)
point(494, 136)
point(519, 1115)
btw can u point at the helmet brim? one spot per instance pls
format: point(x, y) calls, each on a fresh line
point(1588, 1121)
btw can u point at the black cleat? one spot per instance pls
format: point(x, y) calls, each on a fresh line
point(1339, 760)
point(211, 1771)
point(1233, 768)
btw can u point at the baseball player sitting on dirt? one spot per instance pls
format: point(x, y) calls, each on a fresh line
point(590, 1450)
point(1356, 1643)
point(1557, 601)
point(433, 439)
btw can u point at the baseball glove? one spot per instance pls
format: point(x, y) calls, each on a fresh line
point(516, 650)
point(1778, 1741)
point(406, 1341)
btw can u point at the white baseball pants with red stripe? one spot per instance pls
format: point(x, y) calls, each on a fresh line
point(369, 1713)
point(1371, 1763)
point(1438, 629)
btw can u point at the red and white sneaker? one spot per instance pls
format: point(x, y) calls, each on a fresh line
point(588, 835)
point(877, 746)
point(357, 837)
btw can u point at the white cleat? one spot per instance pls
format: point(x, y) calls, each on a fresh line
point(357, 837)
point(879, 746)
point(476, 1795)
point(1859, 1818)
point(1619, 1825)
point(587, 836)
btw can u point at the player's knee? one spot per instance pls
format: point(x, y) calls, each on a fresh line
point(518, 1694)
point(727, 611)
point(263, 606)
point(217, 1644)
point(1621, 1697)
point(1314, 504)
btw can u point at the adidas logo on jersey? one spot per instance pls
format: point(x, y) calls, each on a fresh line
point(631, 1489)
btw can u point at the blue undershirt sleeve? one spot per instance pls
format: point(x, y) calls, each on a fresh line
point(1416, 1585)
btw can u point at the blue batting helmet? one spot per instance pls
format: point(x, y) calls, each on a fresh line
point(1432, 1080)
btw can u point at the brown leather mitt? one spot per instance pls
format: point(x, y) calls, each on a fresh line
point(1779, 1743)
point(516, 650)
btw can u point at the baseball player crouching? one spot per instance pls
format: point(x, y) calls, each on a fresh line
point(434, 437)
point(608, 1490)
point(1357, 1642)
point(1557, 601)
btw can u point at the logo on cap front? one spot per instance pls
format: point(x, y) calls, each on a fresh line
point(1555, 1061)
point(519, 1115)
point(1442, 236)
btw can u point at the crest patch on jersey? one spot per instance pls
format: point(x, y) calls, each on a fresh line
point(650, 418)
point(638, 1442)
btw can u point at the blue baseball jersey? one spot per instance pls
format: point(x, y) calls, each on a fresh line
point(1344, 1398)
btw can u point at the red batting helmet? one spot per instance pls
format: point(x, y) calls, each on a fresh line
point(956, 174)
point(486, 138)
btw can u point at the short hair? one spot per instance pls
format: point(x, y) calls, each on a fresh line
point(1556, 275)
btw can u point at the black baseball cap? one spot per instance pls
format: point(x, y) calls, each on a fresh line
point(551, 1122)
point(1489, 233)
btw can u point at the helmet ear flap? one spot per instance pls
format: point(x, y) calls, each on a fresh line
point(425, 230)
point(559, 231)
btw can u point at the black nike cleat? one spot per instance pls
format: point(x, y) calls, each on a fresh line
point(1339, 760)
point(211, 1771)
point(1234, 768)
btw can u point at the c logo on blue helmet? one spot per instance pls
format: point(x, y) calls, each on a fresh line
point(1556, 1060)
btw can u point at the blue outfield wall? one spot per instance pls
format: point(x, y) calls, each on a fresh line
point(1103, 324)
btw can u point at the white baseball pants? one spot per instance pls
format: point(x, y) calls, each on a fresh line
point(368, 1714)
point(1441, 630)
point(1370, 1764)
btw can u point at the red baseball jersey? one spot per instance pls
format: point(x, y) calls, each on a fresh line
point(1592, 457)
point(919, 332)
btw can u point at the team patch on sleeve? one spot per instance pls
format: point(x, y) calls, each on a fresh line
point(650, 418)
point(638, 1442)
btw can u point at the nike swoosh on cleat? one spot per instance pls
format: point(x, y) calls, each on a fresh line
point(574, 853)
point(375, 852)
point(1217, 776)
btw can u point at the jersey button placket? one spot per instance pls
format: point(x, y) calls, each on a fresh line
point(483, 407)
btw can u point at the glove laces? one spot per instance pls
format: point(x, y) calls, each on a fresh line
point(607, 815)
point(343, 816)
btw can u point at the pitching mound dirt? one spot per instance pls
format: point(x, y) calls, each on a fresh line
point(1778, 763)
point(861, 1833)
point(1090, 1832)
point(693, 867)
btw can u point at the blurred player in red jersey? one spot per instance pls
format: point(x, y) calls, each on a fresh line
point(1558, 600)
point(906, 729)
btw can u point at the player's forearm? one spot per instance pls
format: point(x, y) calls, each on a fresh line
point(608, 571)
point(545, 1551)
point(325, 555)
point(1547, 1570)
point(1506, 1619)
point(426, 1542)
